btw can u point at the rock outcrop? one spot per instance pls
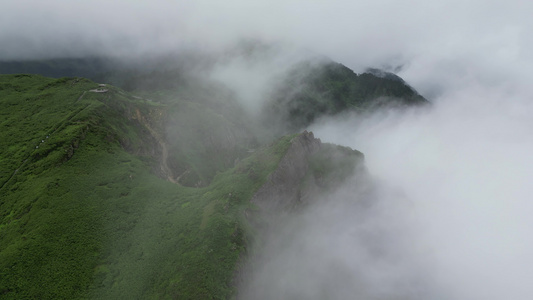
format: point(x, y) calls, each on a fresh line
point(282, 189)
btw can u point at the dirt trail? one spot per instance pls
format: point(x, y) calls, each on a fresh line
point(81, 96)
point(164, 149)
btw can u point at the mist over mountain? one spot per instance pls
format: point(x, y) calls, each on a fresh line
point(176, 168)
point(265, 150)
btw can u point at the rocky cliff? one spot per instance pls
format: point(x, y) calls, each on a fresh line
point(309, 168)
point(282, 189)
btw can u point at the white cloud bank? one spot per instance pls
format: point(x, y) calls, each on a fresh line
point(466, 168)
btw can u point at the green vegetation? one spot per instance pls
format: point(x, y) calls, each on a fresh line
point(312, 90)
point(309, 90)
point(109, 195)
point(205, 127)
point(86, 216)
point(31, 113)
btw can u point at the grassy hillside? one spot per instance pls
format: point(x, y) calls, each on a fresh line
point(139, 194)
point(85, 209)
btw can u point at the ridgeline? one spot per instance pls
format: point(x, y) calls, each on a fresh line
point(157, 190)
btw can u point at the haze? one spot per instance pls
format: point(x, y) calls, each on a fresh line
point(463, 167)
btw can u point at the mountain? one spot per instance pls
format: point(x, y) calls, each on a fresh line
point(313, 89)
point(158, 189)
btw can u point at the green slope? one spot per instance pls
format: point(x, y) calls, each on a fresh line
point(313, 89)
point(87, 214)
point(108, 195)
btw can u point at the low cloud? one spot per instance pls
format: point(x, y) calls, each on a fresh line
point(464, 166)
point(354, 243)
point(453, 210)
point(253, 70)
point(447, 216)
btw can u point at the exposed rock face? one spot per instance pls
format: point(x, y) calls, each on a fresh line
point(282, 188)
point(309, 172)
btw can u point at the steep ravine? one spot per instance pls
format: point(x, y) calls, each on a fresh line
point(163, 161)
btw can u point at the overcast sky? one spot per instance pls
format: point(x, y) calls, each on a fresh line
point(466, 166)
point(439, 43)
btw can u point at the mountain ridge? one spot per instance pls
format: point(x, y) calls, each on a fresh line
point(149, 195)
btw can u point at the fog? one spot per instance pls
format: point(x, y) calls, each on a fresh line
point(451, 212)
point(448, 215)
point(354, 243)
point(465, 167)
point(253, 69)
